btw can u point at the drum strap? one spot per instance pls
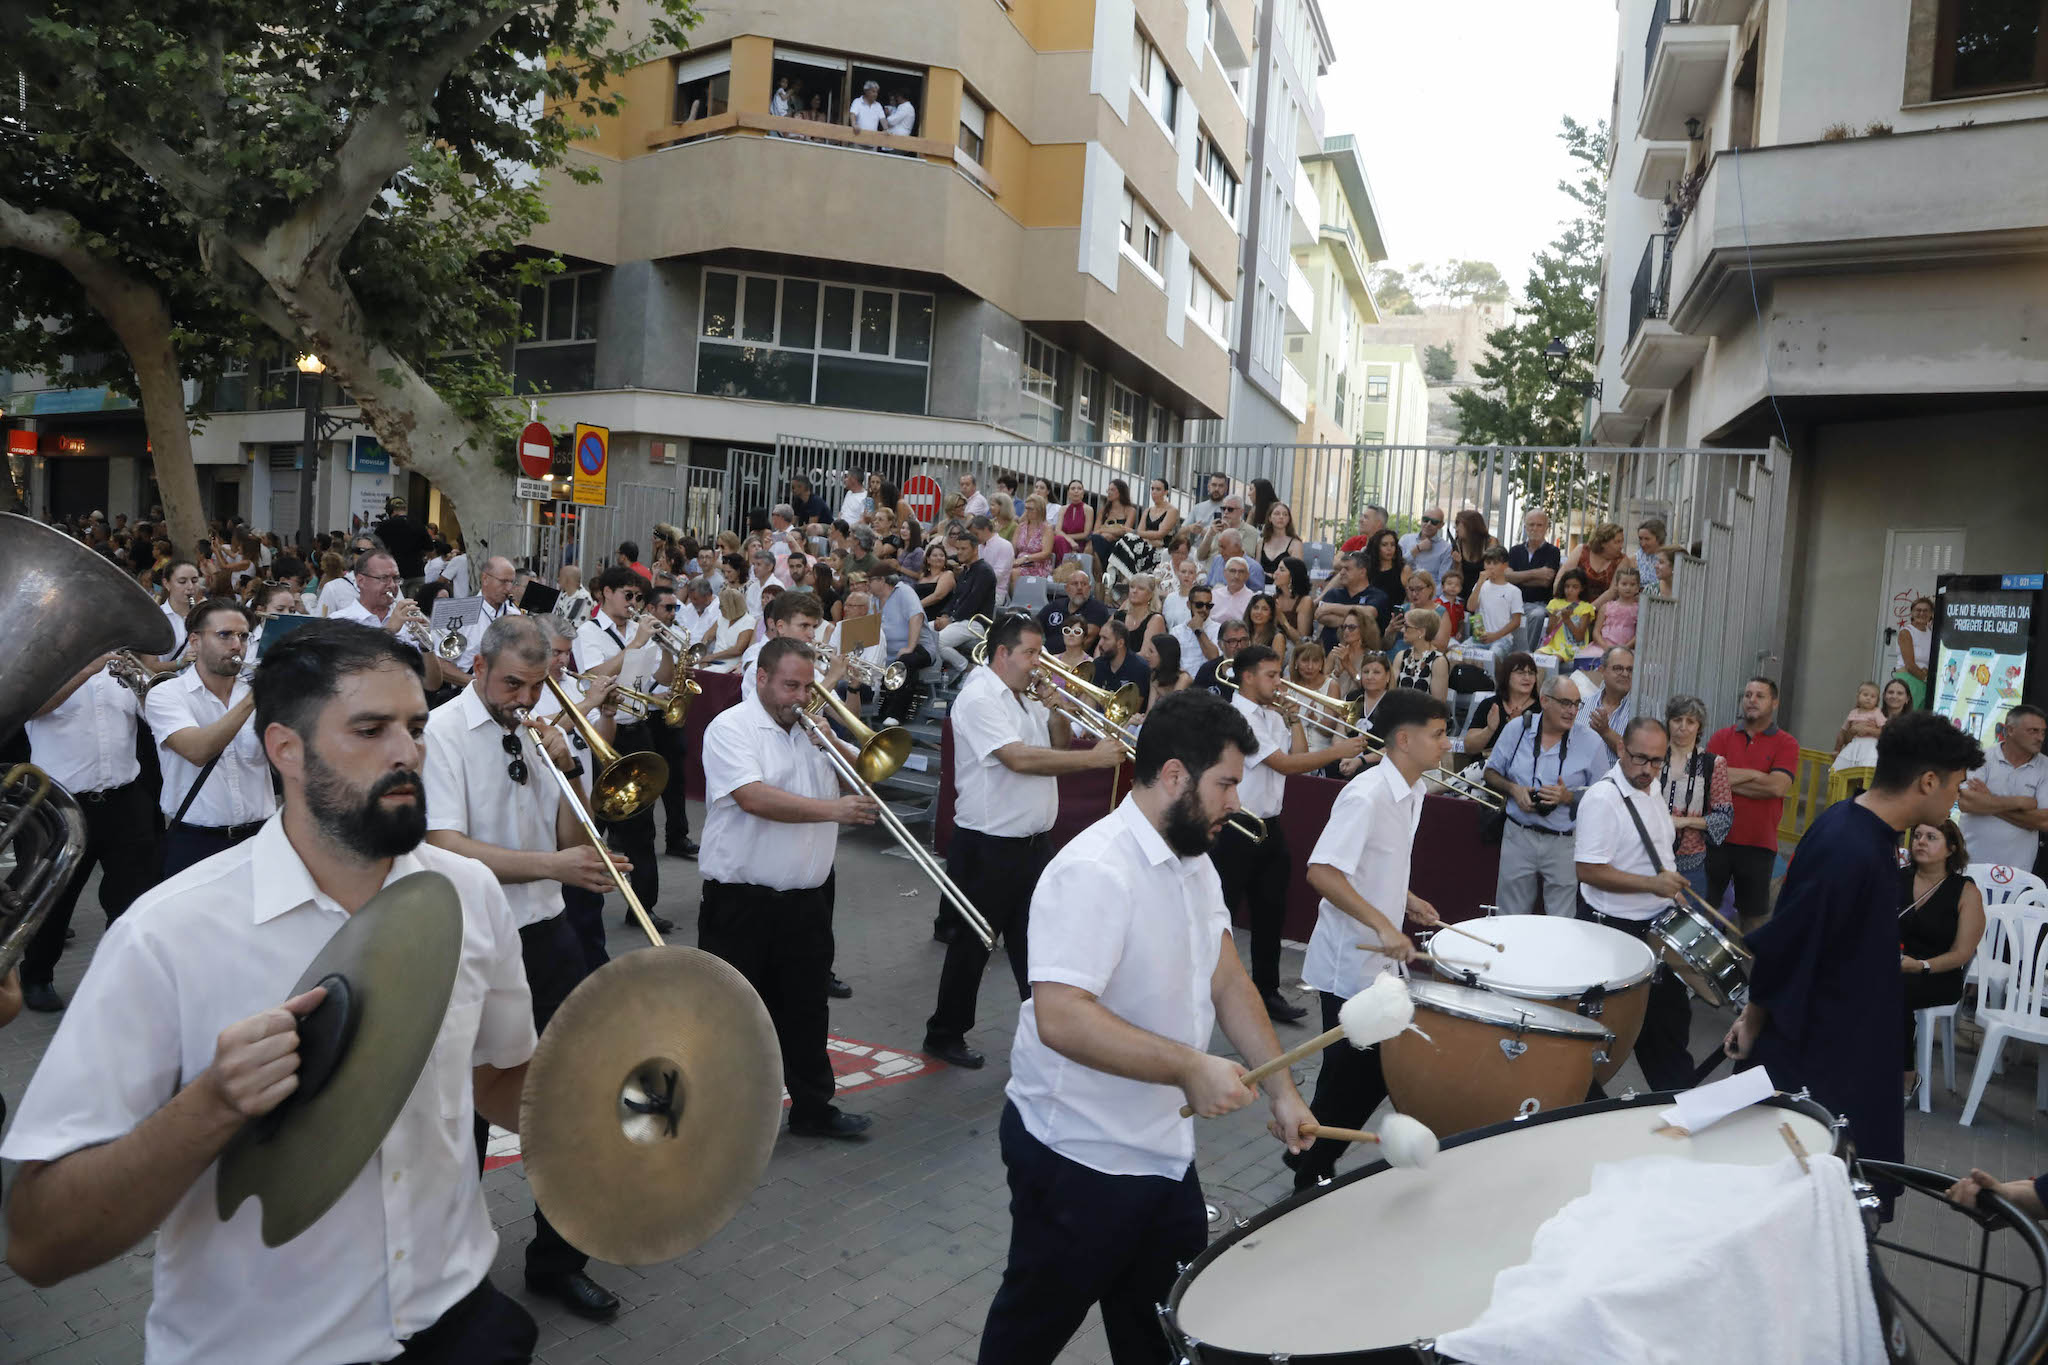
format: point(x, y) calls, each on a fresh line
point(1642, 830)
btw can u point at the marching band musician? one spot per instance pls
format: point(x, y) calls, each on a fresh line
point(487, 799)
point(583, 908)
point(1132, 967)
point(611, 645)
point(1360, 869)
point(1256, 874)
point(183, 1033)
point(84, 738)
point(378, 604)
point(773, 807)
point(1009, 749)
point(494, 589)
point(216, 790)
point(789, 616)
point(670, 742)
point(1628, 875)
point(183, 587)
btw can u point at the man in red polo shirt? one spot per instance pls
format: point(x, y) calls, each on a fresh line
point(1761, 761)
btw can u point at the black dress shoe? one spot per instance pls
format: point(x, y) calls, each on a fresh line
point(41, 997)
point(661, 926)
point(1279, 1010)
point(955, 1054)
point(683, 848)
point(840, 1125)
point(578, 1293)
point(839, 990)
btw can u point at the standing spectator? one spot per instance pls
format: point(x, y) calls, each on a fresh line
point(1514, 692)
point(405, 538)
point(1370, 523)
point(1598, 557)
point(1762, 762)
point(1352, 598)
point(2005, 802)
point(866, 112)
point(1607, 693)
point(1696, 788)
point(1615, 621)
point(1856, 743)
point(1496, 607)
point(1649, 544)
point(1426, 546)
point(1913, 649)
point(1543, 762)
point(1471, 543)
point(783, 102)
point(902, 120)
point(976, 504)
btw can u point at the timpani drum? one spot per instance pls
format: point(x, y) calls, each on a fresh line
point(1287, 1284)
point(1575, 965)
point(1477, 1057)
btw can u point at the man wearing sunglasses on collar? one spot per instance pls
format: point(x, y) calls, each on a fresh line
point(489, 799)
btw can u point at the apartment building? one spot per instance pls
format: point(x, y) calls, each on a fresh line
point(1347, 242)
point(1825, 224)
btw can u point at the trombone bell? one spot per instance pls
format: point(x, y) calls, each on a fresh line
point(882, 752)
point(623, 785)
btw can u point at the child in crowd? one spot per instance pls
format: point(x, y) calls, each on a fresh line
point(1856, 742)
point(1570, 627)
point(1450, 601)
point(1614, 625)
point(1496, 609)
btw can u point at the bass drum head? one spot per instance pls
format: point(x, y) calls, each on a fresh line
point(1292, 1281)
point(1546, 956)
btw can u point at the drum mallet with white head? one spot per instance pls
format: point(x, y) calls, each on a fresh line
point(1402, 1141)
point(1372, 1016)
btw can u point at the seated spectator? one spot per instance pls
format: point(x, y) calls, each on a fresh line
point(857, 604)
point(1666, 564)
point(1073, 653)
point(1450, 604)
point(1352, 598)
point(1231, 638)
point(1006, 486)
point(1229, 545)
point(1263, 622)
point(1294, 603)
point(1370, 524)
point(1198, 635)
point(1649, 544)
point(1034, 548)
point(1234, 598)
point(1420, 595)
point(1941, 919)
point(1162, 655)
point(1175, 604)
point(1375, 679)
point(735, 632)
point(1116, 665)
point(1607, 695)
point(1077, 603)
point(1614, 622)
point(1516, 681)
point(1423, 667)
point(1307, 668)
point(1570, 628)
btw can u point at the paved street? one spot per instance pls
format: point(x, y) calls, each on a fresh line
point(884, 1250)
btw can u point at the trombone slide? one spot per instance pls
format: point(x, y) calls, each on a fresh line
point(574, 797)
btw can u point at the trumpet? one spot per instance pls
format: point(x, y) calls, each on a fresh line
point(864, 672)
point(1116, 707)
point(1321, 711)
point(881, 753)
point(127, 668)
point(624, 784)
point(673, 709)
point(669, 640)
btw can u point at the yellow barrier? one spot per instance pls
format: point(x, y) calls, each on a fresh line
point(1810, 793)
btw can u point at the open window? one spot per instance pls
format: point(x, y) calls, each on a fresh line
point(703, 86)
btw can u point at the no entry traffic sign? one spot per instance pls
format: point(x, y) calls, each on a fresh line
point(921, 491)
point(536, 451)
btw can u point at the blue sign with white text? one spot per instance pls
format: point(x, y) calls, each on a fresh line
point(2023, 582)
point(368, 457)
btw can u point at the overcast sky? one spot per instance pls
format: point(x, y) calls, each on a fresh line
point(1456, 108)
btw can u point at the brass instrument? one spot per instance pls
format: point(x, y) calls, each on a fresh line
point(127, 668)
point(865, 673)
point(881, 753)
point(1116, 707)
point(1457, 784)
point(623, 784)
point(669, 640)
point(673, 709)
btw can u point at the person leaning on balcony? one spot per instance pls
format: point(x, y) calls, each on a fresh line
point(902, 116)
point(866, 112)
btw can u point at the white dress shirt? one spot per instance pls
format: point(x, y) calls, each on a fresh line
point(1174, 608)
point(469, 791)
point(237, 791)
point(88, 743)
point(1191, 655)
point(902, 119)
point(474, 631)
point(743, 744)
point(698, 625)
point(1991, 839)
point(853, 504)
point(1606, 835)
point(1118, 914)
point(599, 640)
point(342, 592)
point(992, 799)
point(977, 505)
point(1262, 790)
point(1001, 557)
point(756, 583)
point(219, 942)
point(1369, 838)
point(177, 620)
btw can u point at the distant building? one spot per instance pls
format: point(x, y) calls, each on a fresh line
point(1346, 244)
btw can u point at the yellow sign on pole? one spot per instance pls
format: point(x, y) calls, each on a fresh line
point(592, 448)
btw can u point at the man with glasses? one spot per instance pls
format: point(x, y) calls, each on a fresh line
point(1542, 762)
point(1426, 547)
point(1197, 635)
point(1607, 693)
point(1231, 637)
point(1352, 598)
point(488, 799)
point(494, 587)
point(379, 605)
point(216, 781)
point(1626, 849)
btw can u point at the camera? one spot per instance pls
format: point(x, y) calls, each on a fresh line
point(1542, 806)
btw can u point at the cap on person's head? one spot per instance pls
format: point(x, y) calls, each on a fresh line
point(395, 505)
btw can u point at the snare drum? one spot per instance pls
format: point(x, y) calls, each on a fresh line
point(1287, 1283)
point(1713, 964)
point(1559, 961)
point(1488, 1058)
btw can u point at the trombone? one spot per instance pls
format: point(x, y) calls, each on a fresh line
point(612, 786)
point(673, 709)
point(624, 784)
point(881, 753)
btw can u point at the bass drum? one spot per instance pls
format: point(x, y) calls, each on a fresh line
point(1482, 1058)
point(1287, 1285)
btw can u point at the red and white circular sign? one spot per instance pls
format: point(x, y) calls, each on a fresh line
point(921, 491)
point(536, 451)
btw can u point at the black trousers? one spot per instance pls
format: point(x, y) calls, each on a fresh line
point(781, 941)
point(1079, 1238)
point(1749, 867)
point(1255, 876)
point(675, 811)
point(896, 704)
point(120, 838)
point(635, 837)
point(483, 1328)
point(998, 874)
point(554, 967)
point(1663, 1048)
point(585, 912)
point(1924, 990)
point(185, 845)
point(1348, 1088)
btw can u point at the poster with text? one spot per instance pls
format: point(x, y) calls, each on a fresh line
point(1980, 658)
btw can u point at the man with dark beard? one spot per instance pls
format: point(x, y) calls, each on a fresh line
point(488, 799)
point(183, 1032)
point(1132, 966)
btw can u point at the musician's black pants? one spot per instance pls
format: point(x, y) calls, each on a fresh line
point(635, 837)
point(1255, 876)
point(896, 705)
point(121, 839)
point(185, 845)
point(998, 874)
point(585, 912)
point(1079, 1238)
point(484, 1327)
point(781, 941)
point(1663, 1048)
point(1348, 1088)
point(554, 967)
point(675, 811)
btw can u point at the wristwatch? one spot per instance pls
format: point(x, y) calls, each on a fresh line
point(1923, 965)
point(575, 769)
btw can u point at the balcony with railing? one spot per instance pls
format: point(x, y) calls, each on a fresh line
point(1656, 357)
point(1301, 301)
point(1293, 391)
point(1685, 61)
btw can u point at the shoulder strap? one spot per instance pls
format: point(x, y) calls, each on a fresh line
point(197, 783)
point(1642, 830)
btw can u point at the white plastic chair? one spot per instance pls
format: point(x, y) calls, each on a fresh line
point(2024, 975)
point(1999, 885)
point(1985, 965)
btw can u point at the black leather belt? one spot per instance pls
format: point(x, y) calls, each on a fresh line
point(1543, 830)
point(222, 831)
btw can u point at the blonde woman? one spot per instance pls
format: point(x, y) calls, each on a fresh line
point(735, 632)
point(1034, 541)
point(1597, 557)
point(1142, 614)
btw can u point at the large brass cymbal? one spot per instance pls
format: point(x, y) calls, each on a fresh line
point(361, 1053)
point(651, 1105)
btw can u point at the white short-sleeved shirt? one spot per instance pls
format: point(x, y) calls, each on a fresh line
point(992, 799)
point(698, 626)
point(342, 592)
point(1001, 557)
point(853, 506)
point(1606, 835)
point(177, 620)
point(1262, 790)
point(1118, 914)
point(1191, 655)
point(219, 942)
point(1230, 606)
point(1991, 839)
point(1498, 604)
point(599, 640)
point(1369, 838)
point(902, 119)
point(868, 115)
point(743, 744)
point(88, 743)
point(237, 791)
point(474, 632)
point(728, 635)
point(470, 792)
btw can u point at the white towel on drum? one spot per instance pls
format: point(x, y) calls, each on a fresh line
point(1668, 1261)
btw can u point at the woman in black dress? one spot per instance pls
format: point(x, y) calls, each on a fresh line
point(1941, 917)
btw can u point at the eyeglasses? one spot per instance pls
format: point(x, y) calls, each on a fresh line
point(1645, 759)
point(516, 769)
point(1431, 521)
point(1568, 703)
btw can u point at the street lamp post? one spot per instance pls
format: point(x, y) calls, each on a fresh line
point(1554, 357)
point(311, 367)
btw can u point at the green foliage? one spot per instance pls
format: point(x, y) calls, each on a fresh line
point(1391, 291)
point(1457, 283)
point(1439, 363)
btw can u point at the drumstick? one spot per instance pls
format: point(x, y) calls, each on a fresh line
point(1719, 918)
point(1420, 956)
point(1372, 1016)
point(1316, 1130)
point(1455, 929)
